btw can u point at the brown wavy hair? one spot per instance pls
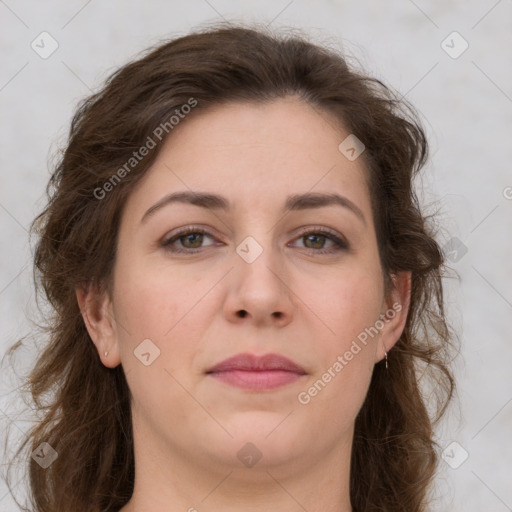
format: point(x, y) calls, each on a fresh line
point(85, 407)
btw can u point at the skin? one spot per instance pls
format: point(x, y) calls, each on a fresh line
point(188, 426)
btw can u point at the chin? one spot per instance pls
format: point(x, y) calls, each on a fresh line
point(272, 434)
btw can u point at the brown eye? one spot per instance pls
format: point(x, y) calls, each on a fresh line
point(194, 239)
point(189, 240)
point(315, 240)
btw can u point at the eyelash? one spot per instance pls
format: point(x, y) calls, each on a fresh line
point(331, 235)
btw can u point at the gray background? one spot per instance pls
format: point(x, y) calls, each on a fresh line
point(466, 106)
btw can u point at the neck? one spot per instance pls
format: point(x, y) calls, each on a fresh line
point(168, 477)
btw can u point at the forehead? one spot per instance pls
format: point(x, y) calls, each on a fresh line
point(256, 154)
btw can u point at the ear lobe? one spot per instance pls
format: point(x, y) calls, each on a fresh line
point(395, 312)
point(96, 309)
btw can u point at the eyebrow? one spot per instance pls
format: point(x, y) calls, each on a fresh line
point(309, 200)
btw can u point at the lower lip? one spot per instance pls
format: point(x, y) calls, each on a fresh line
point(257, 380)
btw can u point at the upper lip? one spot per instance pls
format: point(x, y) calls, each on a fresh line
point(251, 362)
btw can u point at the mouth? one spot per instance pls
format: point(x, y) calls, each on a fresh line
point(257, 373)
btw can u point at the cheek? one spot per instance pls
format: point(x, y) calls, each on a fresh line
point(152, 298)
point(349, 309)
point(347, 303)
point(346, 351)
point(153, 307)
point(163, 305)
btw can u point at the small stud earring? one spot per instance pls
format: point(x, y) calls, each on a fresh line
point(386, 354)
point(106, 354)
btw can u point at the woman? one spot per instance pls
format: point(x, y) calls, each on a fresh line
point(246, 292)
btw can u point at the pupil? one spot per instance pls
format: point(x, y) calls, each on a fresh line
point(193, 235)
point(315, 237)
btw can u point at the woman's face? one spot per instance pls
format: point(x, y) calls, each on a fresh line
point(267, 276)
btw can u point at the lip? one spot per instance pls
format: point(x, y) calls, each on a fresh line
point(257, 373)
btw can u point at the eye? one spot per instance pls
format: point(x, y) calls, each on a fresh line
point(315, 238)
point(190, 240)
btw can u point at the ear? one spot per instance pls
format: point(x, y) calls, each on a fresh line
point(395, 308)
point(96, 309)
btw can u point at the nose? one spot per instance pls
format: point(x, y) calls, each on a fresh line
point(260, 288)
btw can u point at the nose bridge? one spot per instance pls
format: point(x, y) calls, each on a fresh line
point(259, 256)
point(260, 280)
point(256, 227)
